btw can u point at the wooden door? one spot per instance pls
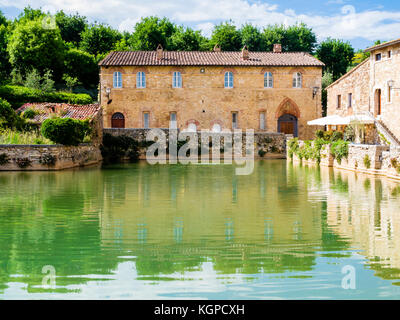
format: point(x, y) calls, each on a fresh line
point(118, 123)
point(287, 127)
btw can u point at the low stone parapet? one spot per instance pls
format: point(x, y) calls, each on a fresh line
point(267, 144)
point(47, 157)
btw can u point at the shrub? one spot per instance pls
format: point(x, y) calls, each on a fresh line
point(337, 135)
point(114, 149)
point(293, 147)
point(367, 161)
point(268, 140)
point(4, 159)
point(66, 131)
point(340, 150)
point(394, 163)
point(273, 149)
point(349, 133)
point(48, 160)
point(29, 113)
point(262, 153)
point(23, 162)
point(18, 95)
point(8, 117)
point(9, 136)
point(328, 135)
point(319, 134)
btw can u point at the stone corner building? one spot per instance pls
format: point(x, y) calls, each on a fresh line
point(371, 89)
point(216, 90)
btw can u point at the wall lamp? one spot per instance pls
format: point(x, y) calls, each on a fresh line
point(108, 91)
point(391, 85)
point(314, 91)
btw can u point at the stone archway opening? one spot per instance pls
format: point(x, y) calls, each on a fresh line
point(118, 120)
point(287, 124)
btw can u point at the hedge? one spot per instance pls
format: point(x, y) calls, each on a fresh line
point(8, 117)
point(66, 131)
point(17, 96)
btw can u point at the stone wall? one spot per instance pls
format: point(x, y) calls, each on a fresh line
point(47, 157)
point(273, 144)
point(355, 82)
point(204, 101)
point(381, 160)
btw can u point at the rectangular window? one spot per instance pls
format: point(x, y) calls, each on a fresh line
point(389, 54)
point(339, 101)
point(234, 120)
point(146, 120)
point(262, 121)
point(389, 94)
point(378, 57)
point(350, 100)
point(172, 120)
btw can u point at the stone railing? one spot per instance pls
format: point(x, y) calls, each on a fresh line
point(47, 157)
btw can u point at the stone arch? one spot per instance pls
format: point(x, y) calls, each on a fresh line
point(264, 70)
point(215, 124)
point(297, 69)
point(233, 70)
point(287, 106)
point(118, 120)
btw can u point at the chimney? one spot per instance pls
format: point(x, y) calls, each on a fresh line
point(159, 52)
point(217, 48)
point(245, 53)
point(277, 48)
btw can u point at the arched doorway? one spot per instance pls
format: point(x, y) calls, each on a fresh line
point(287, 124)
point(118, 120)
point(378, 102)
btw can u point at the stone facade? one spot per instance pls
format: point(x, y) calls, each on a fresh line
point(48, 157)
point(355, 82)
point(375, 89)
point(204, 101)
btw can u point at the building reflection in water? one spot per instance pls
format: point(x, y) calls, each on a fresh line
point(176, 219)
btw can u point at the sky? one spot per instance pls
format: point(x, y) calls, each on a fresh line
point(361, 22)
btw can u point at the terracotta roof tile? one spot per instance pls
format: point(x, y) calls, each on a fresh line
point(209, 58)
point(63, 110)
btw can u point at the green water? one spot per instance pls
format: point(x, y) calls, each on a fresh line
point(171, 232)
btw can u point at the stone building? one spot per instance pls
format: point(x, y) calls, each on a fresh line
point(371, 89)
point(216, 90)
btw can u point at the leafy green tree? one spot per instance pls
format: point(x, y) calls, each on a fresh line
point(5, 66)
point(297, 37)
point(83, 66)
point(337, 56)
point(33, 79)
point(47, 84)
point(70, 82)
point(29, 14)
point(99, 39)
point(227, 37)
point(359, 57)
point(252, 38)
point(186, 39)
point(152, 31)
point(71, 27)
point(327, 80)
point(3, 20)
point(32, 46)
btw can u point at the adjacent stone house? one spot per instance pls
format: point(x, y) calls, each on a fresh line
point(46, 110)
point(216, 90)
point(373, 89)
